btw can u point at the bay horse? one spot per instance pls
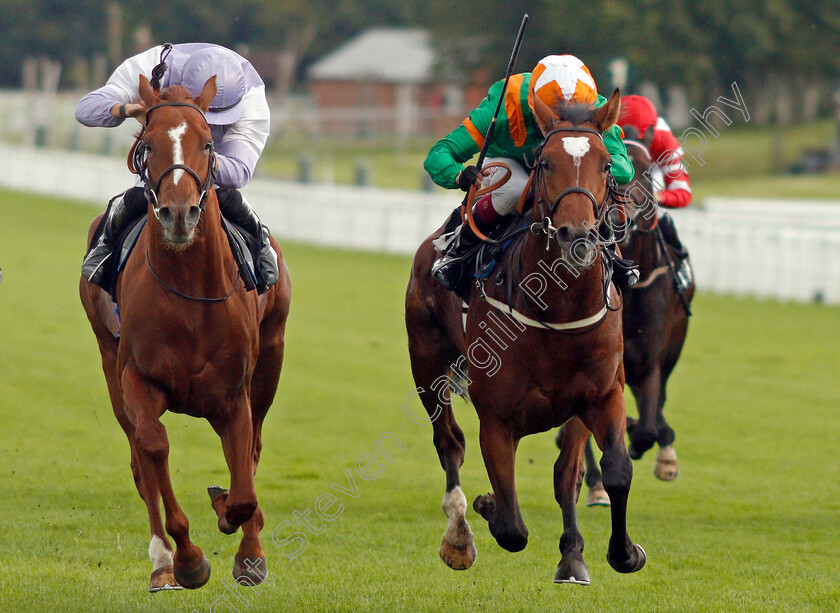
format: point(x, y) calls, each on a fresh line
point(191, 340)
point(655, 327)
point(535, 362)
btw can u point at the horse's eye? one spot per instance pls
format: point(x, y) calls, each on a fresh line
point(208, 146)
point(545, 165)
point(607, 166)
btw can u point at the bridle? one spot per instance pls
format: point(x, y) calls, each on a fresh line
point(139, 165)
point(541, 194)
point(638, 206)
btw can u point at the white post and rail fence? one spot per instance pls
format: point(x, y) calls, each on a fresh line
point(787, 250)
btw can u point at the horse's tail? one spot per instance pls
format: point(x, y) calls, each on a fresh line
point(459, 383)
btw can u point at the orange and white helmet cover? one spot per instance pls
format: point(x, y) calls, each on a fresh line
point(562, 79)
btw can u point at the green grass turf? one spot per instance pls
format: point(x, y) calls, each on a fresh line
point(752, 523)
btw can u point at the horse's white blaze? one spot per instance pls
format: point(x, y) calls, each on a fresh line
point(159, 553)
point(176, 134)
point(577, 147)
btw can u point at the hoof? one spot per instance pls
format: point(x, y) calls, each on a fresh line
point(458, 557)
point(163, 579)
point(635, 563)
point(598, 496)
point(485, 506)
point(666, 467)
point(572, 570)
point(249, 571)
point(195, 578)
point(214, 491)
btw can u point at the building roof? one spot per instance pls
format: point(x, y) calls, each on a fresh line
point(394, 55)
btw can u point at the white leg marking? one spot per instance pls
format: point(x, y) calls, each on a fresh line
point(176, 134)
point(159, 553)
point(458, 531)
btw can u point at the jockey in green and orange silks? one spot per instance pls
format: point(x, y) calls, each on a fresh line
point(556, 79)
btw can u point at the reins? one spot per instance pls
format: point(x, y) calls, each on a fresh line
point(160, 280)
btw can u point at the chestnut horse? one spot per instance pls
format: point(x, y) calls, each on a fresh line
point(655, 328)
point(535, 362)
point(192, 340)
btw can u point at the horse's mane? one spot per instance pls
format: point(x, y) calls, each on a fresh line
point(577, 114)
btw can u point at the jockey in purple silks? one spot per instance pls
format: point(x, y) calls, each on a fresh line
point(239, 121)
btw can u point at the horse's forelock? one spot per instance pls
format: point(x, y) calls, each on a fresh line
point(176, 93)
point(577, 114)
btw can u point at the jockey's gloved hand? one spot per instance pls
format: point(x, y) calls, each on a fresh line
point(467, 177)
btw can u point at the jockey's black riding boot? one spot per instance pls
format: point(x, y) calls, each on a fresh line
point(236, 209)
point(122, 210)
point(669, 233)
point(448, 268)
point(681, 266)
point(625, 272)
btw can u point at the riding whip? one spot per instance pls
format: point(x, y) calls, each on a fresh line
point(492, 128)
point(467, 212)
point(159, 70)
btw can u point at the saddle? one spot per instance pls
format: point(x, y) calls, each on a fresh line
point(480, 261)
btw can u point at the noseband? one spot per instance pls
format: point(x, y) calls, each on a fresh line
point(141, 167)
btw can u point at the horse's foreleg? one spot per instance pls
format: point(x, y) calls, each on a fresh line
point(190, 568)
point(236, 432)
point(249, 566)
point(607, 424)
point(431, 356)
point(457, 549)
point(501, 509)
point(568, 474)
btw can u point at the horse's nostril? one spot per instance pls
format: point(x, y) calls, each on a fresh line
point(564, 235)
point(193, 215)
point(165, 215)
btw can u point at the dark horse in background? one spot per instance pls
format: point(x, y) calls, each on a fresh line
point(655, 326)
point(534, 365)
point(191, 340)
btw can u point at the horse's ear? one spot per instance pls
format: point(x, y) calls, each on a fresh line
point(545, 116)
point(607, 116)
point(207, 94)
point(147, 94)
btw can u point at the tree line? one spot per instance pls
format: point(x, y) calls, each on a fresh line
point(773, 48)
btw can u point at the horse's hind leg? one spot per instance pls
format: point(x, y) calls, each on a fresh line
point(191, 568)
point(431, 356)
point(608, 424)
point(592, 476)
point(568, 474)
point(666, 466)
point(647, 393)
